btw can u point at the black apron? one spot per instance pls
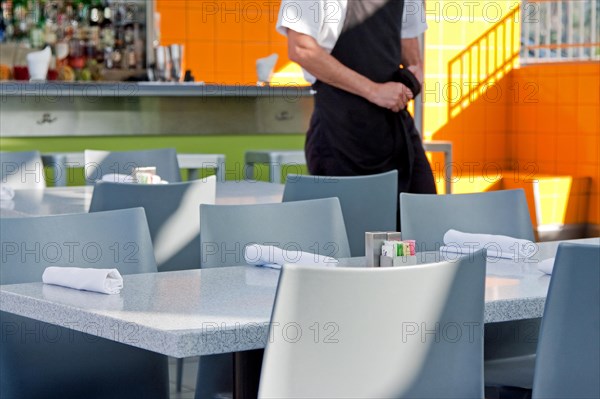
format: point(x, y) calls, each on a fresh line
point(349, 135)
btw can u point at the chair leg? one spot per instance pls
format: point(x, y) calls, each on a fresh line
point(179, 375)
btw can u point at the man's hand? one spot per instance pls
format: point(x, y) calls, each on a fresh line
point(391, 95)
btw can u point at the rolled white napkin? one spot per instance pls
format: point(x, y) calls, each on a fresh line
point(275, 257)
point(9, 205)
point(6, 192)
point(498, 246)
point(105, 281)
point(118, 178)
point(546, 266)
point(121, 178)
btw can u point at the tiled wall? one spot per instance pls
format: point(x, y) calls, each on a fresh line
point(453, 27)
point(223, 38)
point(559, 131)
point(540, 119)
point(478, 129)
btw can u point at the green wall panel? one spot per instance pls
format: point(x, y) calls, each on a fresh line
point(233, 146)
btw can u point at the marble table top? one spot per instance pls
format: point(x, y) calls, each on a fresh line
point(209, 311)
point(76, 199)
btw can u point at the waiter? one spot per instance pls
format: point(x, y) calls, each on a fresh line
point(351, 51)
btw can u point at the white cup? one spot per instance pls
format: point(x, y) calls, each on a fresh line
point(264, 68)
point(38, 63)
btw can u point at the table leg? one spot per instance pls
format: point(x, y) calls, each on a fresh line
point(275, 170)
point(448, 170)
point(220, 169)
point(192, 174)
point(58, 163)
point(249, 171)
point(179, 375)
point(246, 367)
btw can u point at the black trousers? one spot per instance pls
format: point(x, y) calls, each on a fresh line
point(421, 180)
point(322, 161)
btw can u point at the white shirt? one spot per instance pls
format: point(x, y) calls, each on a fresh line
point(323, 20)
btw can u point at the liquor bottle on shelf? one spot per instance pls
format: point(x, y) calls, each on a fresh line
point(111, 33)
point(131, 57)
point(37, 23)
point(95, 13)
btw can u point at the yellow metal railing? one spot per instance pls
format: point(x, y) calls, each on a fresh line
point(483, 62)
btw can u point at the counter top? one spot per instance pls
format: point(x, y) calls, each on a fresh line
point(59, 109)
point(146, 89)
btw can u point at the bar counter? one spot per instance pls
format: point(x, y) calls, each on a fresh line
point(41, 109)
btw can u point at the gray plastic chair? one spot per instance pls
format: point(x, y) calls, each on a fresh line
point(413, 332)
point(39, 360)
point(173, 213)
point(100, 163)
point(510, 346)
point(22, 170)
point(311, 226)
point(369, 203)
point(425, 217)
point(568, 358)
point(315, 226)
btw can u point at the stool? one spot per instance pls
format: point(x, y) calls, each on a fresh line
point(276, 159)
point(446, 148)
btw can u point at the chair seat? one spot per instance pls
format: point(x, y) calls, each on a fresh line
point(514, 372)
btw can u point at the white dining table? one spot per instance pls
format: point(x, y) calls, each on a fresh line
point(228, 310)
point(219, 310)
point(76, 199)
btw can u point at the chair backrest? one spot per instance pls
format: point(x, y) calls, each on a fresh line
point(426, 218)
point(369, 203)
point(315, 226)
point(413, 332)
point(22, 170)
point(118, 239)
point(100, 163)
point(173, 213)
point(42, 360)
point(568, 358)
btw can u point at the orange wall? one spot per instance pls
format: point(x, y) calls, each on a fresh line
point(558, 131)
point(223, 38)
point(543, 119)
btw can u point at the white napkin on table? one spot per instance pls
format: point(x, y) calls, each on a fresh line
point(498, 246)
point(275, 257)
point(118, 178)
point(105, 281)
point(8, 205)
point(6, 192)
point(121, 178)
point(546, 266)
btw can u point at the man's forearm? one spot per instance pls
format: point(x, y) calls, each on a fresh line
point(411, 52)
point(411, 57)
point(325, 67)
point(305, 51)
